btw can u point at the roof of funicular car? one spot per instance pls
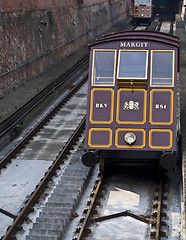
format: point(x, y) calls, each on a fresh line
point(140, 35)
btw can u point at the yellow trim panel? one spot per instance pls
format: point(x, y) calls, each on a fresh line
point(160, 130)
point(171, 106)
point(102, 130)
point(130, 130)
point(111, 105)
point(144, 106)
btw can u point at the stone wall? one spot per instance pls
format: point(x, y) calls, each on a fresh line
point(29, 29)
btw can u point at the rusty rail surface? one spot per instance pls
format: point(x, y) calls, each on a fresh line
point(89, 210)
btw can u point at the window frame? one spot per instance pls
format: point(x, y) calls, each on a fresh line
point(173, 68)
point(133, 50)
point(114, 67)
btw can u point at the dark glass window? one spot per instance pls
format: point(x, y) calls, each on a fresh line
point(133, 65)
point(103, 67)
point(143, 2)
point(162, 68)
point(137, 2)
point(148, 2)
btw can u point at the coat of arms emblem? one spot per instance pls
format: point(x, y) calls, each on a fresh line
point(131, 105)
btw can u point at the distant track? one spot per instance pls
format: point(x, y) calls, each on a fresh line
point(8, 123)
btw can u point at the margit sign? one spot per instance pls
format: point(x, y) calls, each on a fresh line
point(133, 44)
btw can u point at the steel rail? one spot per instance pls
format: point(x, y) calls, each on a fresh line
point(158, 27)
point(10, 235)
point(81, 233)
point(8, 123)
point(158, 222)
point(39, 125)
point(171, 29)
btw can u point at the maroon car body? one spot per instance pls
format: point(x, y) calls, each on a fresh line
point(132, 97)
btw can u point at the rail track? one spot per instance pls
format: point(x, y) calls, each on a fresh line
point(55, 122)
point(108, 213)
point(43, 121)
point(42, 185)
point(11, 127)
point(8, 123)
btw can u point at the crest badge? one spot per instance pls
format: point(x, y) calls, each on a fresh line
point(131, 105)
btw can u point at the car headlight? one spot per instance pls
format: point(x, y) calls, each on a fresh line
point(130, 138)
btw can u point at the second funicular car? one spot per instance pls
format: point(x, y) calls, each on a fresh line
point(143, 11)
